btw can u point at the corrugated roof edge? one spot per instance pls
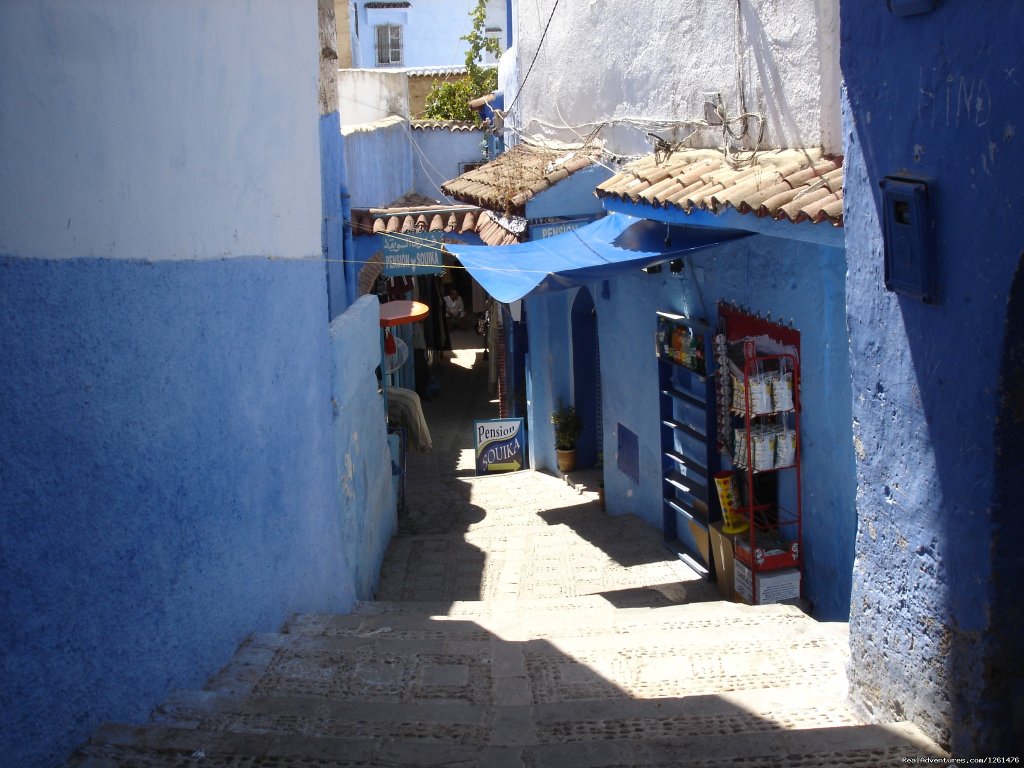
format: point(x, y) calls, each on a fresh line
point(445, 125)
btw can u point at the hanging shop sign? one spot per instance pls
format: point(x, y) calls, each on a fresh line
point(499, 445)
point(415, 253)
point(549, 226)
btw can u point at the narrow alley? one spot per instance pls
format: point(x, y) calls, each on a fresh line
point(519, 625)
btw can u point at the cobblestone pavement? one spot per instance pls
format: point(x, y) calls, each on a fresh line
point(518, 625)
point(517, 536)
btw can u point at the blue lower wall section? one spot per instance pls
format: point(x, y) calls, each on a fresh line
point(795, 280)
point(168, 475)
point(369, 510)
point(935, 618)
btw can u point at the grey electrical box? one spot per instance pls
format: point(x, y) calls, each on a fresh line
point(907, 230)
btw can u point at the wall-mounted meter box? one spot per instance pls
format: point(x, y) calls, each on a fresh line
point(912, 7)
point(907, 229)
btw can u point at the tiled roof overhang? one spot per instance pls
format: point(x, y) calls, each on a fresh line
point(793, 184)
point(445, 125)
point(506, 183)
point(440, 218)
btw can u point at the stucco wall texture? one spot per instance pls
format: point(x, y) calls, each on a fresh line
point(437, 154)
point(90, 89)
point(167, 466)
point(798, 281)
point(362, 459)
point(934, 623)
point(676, 54)
point(378, 162)
point(168, 404)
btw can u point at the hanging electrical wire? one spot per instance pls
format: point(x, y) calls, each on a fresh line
point(534, 61)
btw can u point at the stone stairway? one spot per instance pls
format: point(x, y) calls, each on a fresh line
point(541, 632)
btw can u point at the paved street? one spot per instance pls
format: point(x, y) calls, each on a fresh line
point(517, 536)
point(517, 625)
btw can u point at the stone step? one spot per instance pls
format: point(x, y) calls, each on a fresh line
point(161, 746)
point(765, 711)
point(513, 621)
point(650, 597)
point(483, 668)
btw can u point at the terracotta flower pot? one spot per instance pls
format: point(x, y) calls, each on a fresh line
point(566, 460)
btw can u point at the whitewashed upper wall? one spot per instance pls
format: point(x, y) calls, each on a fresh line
point(366, 95)
point(656, 60)
point(438, 155)
point(166, 130)
point(378, 162)
point(431, 31)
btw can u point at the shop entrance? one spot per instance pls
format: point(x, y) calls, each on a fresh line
point(586, 376)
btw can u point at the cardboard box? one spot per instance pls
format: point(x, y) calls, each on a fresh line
point(722, 548)
point(772, 586)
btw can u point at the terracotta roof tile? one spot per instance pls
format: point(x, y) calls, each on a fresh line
point(792, 184)
point(431, 218)
point(506, 183)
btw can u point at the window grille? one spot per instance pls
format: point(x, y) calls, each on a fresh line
point(389, 45)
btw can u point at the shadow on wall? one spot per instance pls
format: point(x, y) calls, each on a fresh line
point(1003, 695)
point(935, 620)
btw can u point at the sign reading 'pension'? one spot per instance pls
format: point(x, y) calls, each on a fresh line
point(499, 445)
point(413, 253)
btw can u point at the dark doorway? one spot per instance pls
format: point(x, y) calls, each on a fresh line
point(586, 374)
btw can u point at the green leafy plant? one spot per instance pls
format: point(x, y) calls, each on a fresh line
point(450, 100)
point(568, 426)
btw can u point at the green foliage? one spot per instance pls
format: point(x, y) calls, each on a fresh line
point(449, 101)
point(568, 426)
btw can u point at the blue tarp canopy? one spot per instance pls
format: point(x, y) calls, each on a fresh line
point(605, 248)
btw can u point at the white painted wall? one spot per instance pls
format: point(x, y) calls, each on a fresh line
point(431, 31)
point(629, 64)
point(437, 154)
point(128, 144)
point(367, 95)
point(378, 162)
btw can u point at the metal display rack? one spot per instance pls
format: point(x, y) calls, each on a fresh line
point(765, 449)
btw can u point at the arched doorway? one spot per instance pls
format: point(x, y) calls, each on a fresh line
point(586, 377)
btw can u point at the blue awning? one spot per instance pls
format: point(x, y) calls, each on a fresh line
point(596, 251)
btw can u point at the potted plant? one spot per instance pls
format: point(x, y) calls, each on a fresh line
point(568, 426)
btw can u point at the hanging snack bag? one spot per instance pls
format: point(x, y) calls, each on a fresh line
point(760, 394)
point(782, 391)
point(739, 396)
point(740, 457)
point(763, 447)
point(785, 448)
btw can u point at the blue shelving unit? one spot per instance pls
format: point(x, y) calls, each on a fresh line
point(689, 454)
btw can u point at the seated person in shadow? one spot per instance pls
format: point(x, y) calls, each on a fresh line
point(455, 309)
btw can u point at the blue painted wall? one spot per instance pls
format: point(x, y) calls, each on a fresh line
point(335, 213)
point(798, 281)
point(369, 512)
point(168, 468)
point(572, 196)
point(935, 617)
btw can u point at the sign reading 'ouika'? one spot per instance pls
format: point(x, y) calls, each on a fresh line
point(499, 445)
point(415, 253)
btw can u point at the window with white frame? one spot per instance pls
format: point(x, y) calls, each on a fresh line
point(389, 45)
